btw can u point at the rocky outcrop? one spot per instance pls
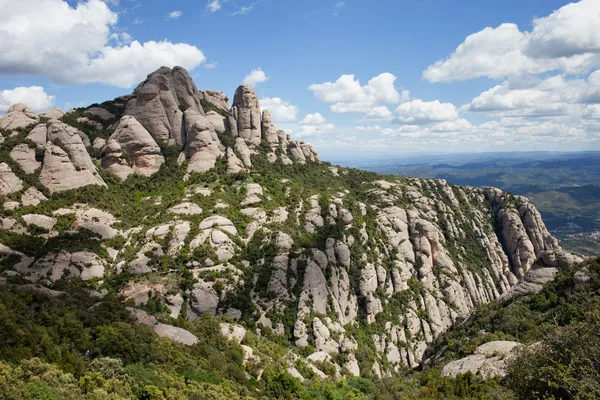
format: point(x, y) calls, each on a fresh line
point(269, 133)
point(55, 113)
point(159, 102)
point(245, 115)
point(24, 155)
point(202, 146)
point(174, 333)
point(488, 361)
point(216, 98)
point(18, 116)
point(131, 144)
point(9, 182)
point(67, 164)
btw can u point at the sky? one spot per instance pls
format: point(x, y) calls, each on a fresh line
point(356, 78)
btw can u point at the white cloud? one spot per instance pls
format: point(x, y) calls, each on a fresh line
point(592, 111)
point(337, 7)
point(255, 77)
point(280, 110)
point(373, 128)
point(419, 112)
point(135, 61)
point(313, 125)
point(214, 6)
point(381, 113)
point(315, 119)
point(73, 45)
point(347, 95)
point(33, 97)
point(175, 14)
point(211, 65)
point(566, 40)
point(458, 125)
point(242, 11)
point(556, 95)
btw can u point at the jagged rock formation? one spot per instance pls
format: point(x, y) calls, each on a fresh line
point(314, 256)
point(18, 116)
point(488, 361)
point(133, 142)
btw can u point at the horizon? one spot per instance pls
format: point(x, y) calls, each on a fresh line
point(504, 80)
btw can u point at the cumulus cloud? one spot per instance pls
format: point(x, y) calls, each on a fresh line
point(280, 110)
point(34, 97)
point(175, 14)
point(347, 95)
point(315, 119)
point(77, 44)
point(214, 6)
point(566, 40)
point(255, 77)
point(556, 95)
point(135, 61)
point(419, 112)
point(381, 113)
point(313, 125)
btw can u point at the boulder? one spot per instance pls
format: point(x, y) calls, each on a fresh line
point(55, 113)
point(133, 141)
point(269, 133)
point(216, 98)
point(246, 113)
point(18, 116)
point(217, 121)
point(9, 182)
point(158, 103)
point(67, 164)
point(488, 361)
point(203, 146)
point(24, 155)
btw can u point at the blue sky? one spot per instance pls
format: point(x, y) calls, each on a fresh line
point(511, 75)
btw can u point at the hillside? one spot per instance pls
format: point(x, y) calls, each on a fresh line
point(140, 233)
point(564, 187)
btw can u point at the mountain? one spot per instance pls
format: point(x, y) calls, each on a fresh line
point(168, 206)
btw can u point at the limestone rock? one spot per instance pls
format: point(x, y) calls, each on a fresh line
point(269, 133)
point(174, 333)
point(18, 116)
point(67, 164)
point(186, 209)
point(217, 121)
point(246, 113)
point(39, 135)
point(132, 139)
point(216, 98)
point(203, 146)
point(489, 360)
point(203, 299)
point(55, 113)
point(9, 182)
point(158, 103)
point(24, 155)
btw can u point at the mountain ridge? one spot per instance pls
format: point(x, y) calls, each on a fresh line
point(170, 196)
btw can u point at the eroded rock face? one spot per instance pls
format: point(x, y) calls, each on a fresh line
point(489, 360)
point(24, 155)
point(203, 146)
point(18, 116)
point(67, 164)
point(158, 103)
point(216, 98)
point(131, 143)
point(9, 182)
point(55, 113)
point(246, 114)
point(269, 133)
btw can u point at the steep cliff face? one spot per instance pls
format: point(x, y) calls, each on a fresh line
point(232, 217)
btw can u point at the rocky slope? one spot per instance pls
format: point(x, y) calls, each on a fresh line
point(171, 196)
